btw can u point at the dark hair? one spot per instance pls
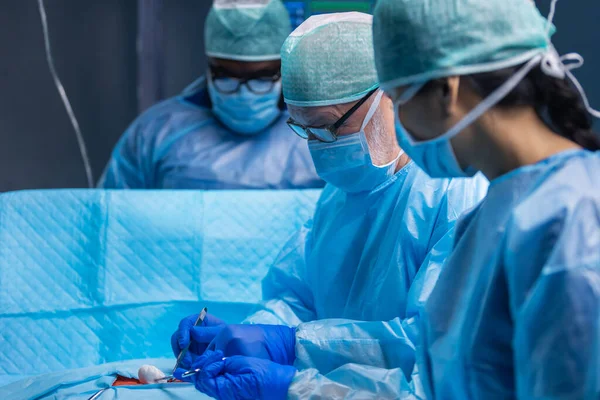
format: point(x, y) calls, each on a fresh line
point(556, 101)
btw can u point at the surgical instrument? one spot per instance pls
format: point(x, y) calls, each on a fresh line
point(183, 352)
point(97, 394)
point(191, 372)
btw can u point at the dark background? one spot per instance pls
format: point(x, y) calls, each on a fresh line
point(97, 57)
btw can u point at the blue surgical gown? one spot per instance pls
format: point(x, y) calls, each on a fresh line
point(515, 312)
point(179, 144)
point(364, 257)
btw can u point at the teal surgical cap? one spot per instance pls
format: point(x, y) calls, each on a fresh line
point(329, 60)
point(420, 40)
point(246, 30)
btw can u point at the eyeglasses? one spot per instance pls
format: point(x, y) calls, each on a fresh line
point(226, 84)
point(327, 134)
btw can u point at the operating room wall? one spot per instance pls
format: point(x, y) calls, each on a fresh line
point(94, 44)
point(94, 49)
point(184, 42)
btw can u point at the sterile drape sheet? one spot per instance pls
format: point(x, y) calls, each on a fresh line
point(92, 276)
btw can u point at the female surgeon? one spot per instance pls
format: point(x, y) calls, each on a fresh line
point(478, 86)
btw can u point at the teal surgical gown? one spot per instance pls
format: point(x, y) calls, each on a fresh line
point(179, 144)
point(370, 257)
point(515, 312)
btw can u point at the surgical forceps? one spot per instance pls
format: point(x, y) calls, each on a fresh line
point(183, 352)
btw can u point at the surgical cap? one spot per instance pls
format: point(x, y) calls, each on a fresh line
point(329, 60)
point(246, 30)
point(420, 40)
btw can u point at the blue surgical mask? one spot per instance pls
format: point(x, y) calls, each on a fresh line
point(245, 112)
point(436, 156)
point(347, 164)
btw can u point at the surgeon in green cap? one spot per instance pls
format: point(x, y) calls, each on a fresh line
point(478, 86)
point(372, 252)
point(228, 129)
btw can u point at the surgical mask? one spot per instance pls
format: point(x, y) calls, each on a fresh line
point(347, 164)
point(245, 112)
point(436, 156)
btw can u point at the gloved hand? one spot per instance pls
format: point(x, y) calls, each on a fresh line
point(185, 333)
point(271, 342)
point(240, 378)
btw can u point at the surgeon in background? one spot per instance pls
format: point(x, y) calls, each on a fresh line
point(227, 130)
point(478, 86)
point(372, 252)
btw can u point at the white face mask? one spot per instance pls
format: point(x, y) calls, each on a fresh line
point(347, 164)
point(245, 112)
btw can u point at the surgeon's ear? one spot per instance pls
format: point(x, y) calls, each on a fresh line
point(450, 92)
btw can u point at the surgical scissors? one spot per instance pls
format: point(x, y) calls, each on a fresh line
point(191, 372)
point(195, 371)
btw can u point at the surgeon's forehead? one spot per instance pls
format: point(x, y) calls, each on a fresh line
point(315, 116)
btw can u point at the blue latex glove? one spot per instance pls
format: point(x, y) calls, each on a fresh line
point(271, 342)
point(181, 338)
point(238, 377)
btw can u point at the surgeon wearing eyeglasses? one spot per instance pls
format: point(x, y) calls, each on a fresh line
point(372, 252)
point(228, 129)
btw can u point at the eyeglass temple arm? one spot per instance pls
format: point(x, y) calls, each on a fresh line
point(355, 107)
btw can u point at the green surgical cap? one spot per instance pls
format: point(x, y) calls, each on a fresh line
point(329, 60)
point(246, 30)
point(420, 40)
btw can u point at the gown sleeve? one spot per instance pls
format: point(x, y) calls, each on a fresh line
point(287, 295)
point(552, 263)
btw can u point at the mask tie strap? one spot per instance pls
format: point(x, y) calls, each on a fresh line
point(372, 109)
point(560, 67)
point(550, 18)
